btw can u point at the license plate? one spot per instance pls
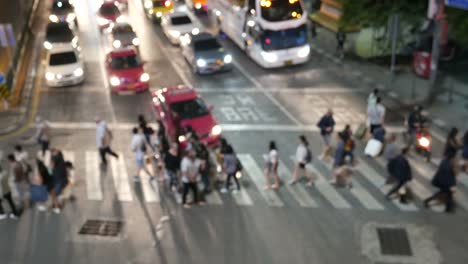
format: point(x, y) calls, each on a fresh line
point(288, 62)
point(131, 86)
point(219, 62)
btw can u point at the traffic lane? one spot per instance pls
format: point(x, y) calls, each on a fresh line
point(128, 107)
point(240, 107)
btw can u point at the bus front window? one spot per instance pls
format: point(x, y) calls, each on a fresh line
point(280, 10)
point(284, 39)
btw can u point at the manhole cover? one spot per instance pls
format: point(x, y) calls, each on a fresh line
point(101, 228)
point(394, 241)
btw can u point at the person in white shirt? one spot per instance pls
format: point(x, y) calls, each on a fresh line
point(190, 169)
point(139, 148)
point(376, 115)
point(271, 168)
point(43, 135)
point(103, 140)
point(372, 99)
point(303, 156)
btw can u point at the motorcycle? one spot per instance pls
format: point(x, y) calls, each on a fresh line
point(423, 144)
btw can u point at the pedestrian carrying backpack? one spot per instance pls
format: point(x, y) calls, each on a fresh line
point(308, 157)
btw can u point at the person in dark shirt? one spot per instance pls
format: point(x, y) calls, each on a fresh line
point(452, 145)
point(326, 125)
point(172, 165)
point(445, 180)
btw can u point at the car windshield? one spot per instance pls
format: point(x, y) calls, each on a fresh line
point(279, 10)
point(62, 58)
point(125, 62)
point(123, 29)
point(180, 20)
point(190, 109)
point(284, 39)
point(108, 10)
point(59, 32)
point(61, 6)
point(207, 44)
point(159, 3)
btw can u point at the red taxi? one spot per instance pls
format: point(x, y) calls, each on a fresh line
point(125, 71)
point(181, 106)
point(107, 14)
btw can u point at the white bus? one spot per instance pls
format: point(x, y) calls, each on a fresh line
point(272, 32)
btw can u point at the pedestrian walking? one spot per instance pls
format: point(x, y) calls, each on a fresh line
point(415, 123)
point(326, 125)
point(452, 144)
point(60, 178)
point(376, 115)
point(19, 181)
point(138, 145)
point(230, 167)
point(103, 140)
point(22, 157)
point(465, 152)
point(349, 145)
point(340, 39)
point(271, 167)
point(190, 169)
point(172, 166)
point(399, 167)
point(147, 130)
point(41, 185)
point(391, 151)
point(5, 194)
point(205, 168)
point(445, 180)
point(303, 157)
point(43, 134)
point(372, 98)
point(313, 30)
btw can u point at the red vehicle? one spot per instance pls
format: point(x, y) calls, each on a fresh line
point(181, 106)
point(125, 71)
point(107, 14)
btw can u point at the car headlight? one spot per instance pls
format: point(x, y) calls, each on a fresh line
point(78, 72)
point(216, 130)
point(195, 31)
point(53, 18)
point(49, 76)
point(144, 77)
point(120, 19)
point(228, 58)
point(198, 6)
point(174, 33)
point(116, 43)
point(158, 14)
point(269, 57)
point(71, 17)
point(148, 4)
point(114, 81)
point(47, 45)
point(136, 41)
point(303, 52)
point(102, 21)
point(201, 63)
point(182, 138)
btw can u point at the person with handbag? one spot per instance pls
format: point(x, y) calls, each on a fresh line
point(5, 194)
point(445, 180)
point(303, 157)
point(103, 140)
point(230, 167)
point(138, 145)
point(400, 169)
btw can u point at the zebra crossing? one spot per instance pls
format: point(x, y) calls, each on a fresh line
point(367, 192)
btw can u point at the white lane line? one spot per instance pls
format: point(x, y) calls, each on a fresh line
point(121, 180)
point(150, 187)
point(327, 191)
point(242, 198)
point(298, 191)
point(93, 176)
point(361, 194)
point(428, 173)
point(267, 94)
point(256, 174)
point(378, 181)
point(225, 127)
point(417, 187)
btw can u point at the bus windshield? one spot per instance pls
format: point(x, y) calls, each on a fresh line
point(284, 39)
point(280, 10)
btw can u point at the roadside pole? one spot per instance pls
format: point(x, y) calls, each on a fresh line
point(394, 31)
point(437, 19)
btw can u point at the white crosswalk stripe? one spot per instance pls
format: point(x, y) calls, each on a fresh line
point(255, 173)
point(358, 191)
point(151, 187)
point(298, 191)
point(378, 181)
point(327, 191)
point(121, 180)
point(93, 176)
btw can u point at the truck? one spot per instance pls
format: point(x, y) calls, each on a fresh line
point(271, 32)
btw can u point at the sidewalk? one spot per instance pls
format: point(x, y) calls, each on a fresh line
point(406, 89)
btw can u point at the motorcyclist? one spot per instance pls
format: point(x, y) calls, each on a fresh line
point(415, 122)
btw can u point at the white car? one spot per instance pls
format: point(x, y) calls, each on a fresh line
point(64, 67)
point(177, 24)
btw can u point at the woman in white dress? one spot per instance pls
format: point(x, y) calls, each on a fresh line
point(271, 168)
point(303, 156)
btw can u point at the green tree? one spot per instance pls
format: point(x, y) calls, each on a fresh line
point(458, 21)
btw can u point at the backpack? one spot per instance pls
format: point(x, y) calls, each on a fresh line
point(349, 145)
point(308, 157)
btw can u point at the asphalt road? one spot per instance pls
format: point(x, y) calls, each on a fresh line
point(296, 224)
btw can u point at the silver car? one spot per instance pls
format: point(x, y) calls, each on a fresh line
point(122, 35)
point(205, 53)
